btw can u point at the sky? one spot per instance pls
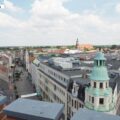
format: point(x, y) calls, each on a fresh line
point(59, 22)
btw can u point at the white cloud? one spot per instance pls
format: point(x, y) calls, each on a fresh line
point(11, 7)
point(49, 7)
point(51, 23)
point(117, 8)
point(8, 21)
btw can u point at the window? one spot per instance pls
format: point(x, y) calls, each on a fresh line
point(46, 81)
point(54, 87)
point(72, 102)
point(75, 103)
point(55, 97)
point(72, 113)
point(100, 62)
point(69, 110)
point(106, 84)
point(101, 85)
point(79, 105)
point(101, 101)
point(92, 99)
point(69, 98)
point(46, 88)
point(97, 62)
point(94, 84)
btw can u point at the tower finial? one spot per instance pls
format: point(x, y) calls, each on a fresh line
point(77, 43)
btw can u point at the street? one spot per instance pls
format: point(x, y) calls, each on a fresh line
point(22, 85)
point(13, 88)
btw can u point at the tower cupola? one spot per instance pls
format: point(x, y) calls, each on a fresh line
point(99, 71)
point(99, 96)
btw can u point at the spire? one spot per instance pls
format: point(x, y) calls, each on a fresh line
point(77, 43)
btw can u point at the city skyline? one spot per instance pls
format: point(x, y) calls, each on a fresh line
point(59, 22)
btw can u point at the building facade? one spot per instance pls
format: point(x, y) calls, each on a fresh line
point(54, 83)
point(66, 80)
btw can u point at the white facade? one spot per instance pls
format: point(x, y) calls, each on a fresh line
point(53, 87)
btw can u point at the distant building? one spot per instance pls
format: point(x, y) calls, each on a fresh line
point(69, 51)
point(83, 47)
point(56, 51)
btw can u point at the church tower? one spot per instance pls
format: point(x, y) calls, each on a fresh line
point(77, 44)
point(99, 96)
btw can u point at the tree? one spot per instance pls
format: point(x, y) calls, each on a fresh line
point(113, 46)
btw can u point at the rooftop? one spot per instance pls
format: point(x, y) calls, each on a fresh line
point(99, 56)
point(3, 99)
point(99, 73)
point(85, 114)
point(34, 110)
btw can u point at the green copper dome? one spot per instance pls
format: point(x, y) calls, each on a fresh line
point(99, 56)
point(99, 73)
